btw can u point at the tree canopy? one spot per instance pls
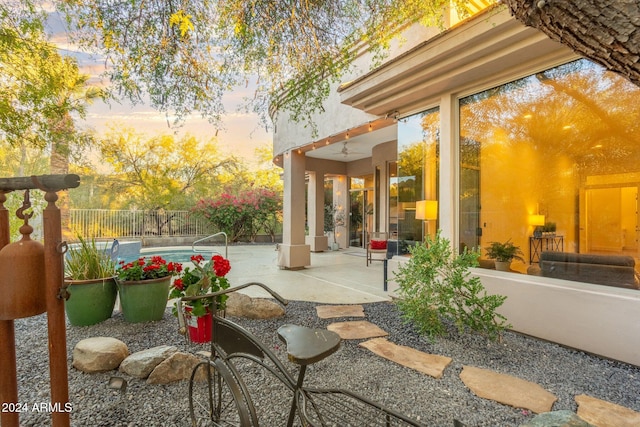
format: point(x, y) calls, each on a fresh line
point(39, 88)
point(185, 55)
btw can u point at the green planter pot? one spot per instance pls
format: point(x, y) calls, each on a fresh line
point(90, 301)
point(144, 300)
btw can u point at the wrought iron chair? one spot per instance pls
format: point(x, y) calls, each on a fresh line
point(376, 244)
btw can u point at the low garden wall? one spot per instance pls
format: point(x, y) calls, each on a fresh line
point(597, 319)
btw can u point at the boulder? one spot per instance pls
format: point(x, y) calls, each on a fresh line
point(176, 367)
point(557, 419)
point(99, 354)
point(141, 363)
point(240, 305)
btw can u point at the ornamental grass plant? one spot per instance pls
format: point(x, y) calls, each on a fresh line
point(86, 261)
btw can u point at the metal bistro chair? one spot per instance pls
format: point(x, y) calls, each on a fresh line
point(377, 244)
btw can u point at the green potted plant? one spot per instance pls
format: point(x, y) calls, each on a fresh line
point(144, 287)
point(90, 279)
point(503, 254)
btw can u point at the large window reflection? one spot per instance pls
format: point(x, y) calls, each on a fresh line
point(414, 177)
point(563, 144)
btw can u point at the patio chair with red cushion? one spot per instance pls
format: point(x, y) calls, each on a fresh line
point(377, 245)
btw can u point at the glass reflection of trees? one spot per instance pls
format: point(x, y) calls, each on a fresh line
point(537, 139)
point(417, 169)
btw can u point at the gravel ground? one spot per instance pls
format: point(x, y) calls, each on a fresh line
point(435, 402)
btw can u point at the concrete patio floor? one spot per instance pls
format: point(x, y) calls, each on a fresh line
point(335, 277)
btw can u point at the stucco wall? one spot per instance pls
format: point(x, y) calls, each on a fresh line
point(338, 117)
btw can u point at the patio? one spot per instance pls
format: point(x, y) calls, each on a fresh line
point(339, 277)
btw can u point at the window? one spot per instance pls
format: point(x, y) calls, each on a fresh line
point(563, 145)
point(414, 177)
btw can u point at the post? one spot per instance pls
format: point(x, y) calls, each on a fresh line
point(55, 306)
point(55, 312)
point(8, 371)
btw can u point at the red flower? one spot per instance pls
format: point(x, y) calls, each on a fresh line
point(197, 258)
point(220, 265)
point(174, 267)
point(178, 284)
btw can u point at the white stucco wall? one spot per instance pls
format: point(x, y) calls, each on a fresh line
point(597, 319)
point(339, 117)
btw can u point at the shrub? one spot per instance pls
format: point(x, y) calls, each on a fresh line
point(436, 287)
point(242, 215)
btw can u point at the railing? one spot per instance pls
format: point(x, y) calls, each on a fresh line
point(104, 223)
point(221, 233)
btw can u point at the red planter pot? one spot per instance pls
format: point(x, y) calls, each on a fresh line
point(199, 327)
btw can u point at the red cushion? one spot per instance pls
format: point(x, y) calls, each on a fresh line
point(378, 244)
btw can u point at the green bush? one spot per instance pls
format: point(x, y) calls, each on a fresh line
point(436, 287)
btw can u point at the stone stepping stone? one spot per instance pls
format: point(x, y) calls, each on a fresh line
point(331, 311)
point(426, 363)
point(606, 414)
point(507, 389)
point(356, 330)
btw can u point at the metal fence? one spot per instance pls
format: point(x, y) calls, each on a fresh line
point(104, 223)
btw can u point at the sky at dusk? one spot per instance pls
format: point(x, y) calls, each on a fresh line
point(241, 132)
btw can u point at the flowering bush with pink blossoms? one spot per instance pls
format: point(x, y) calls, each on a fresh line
point(242, 215)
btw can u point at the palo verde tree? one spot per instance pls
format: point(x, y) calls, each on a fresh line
point(40, 92)
point(162, 172)
point(186, 55)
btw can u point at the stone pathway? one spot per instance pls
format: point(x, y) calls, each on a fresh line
point(429, 364)
point(487, 384)
point(356, 330)
point(507, 389)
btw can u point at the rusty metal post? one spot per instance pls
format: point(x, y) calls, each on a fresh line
point(8, 371)
point(55, 311)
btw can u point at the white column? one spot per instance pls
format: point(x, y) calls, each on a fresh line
point(316, 239)
point(447, 218)
point(293, 253)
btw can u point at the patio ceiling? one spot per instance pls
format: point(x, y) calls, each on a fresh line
point(354, 144)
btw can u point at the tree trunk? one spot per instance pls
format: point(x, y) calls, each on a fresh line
point(605, 31)
point(59, 164)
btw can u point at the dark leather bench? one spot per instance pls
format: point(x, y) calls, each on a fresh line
point(610, 270)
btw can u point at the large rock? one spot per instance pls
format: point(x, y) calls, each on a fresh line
point(557, 419)
point(176, 367)
point(99, 354)
point(141, 363)
point(240, 305)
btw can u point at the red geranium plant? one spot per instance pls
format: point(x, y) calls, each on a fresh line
point(204, 278)
point(146, 268)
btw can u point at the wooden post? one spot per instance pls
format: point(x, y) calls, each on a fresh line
point(54, 280)
point(8, 371)
point(55, 312)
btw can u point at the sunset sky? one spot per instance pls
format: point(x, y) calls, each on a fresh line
point(241, 131)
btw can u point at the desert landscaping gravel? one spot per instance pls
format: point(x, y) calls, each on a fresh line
point(435, 402)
